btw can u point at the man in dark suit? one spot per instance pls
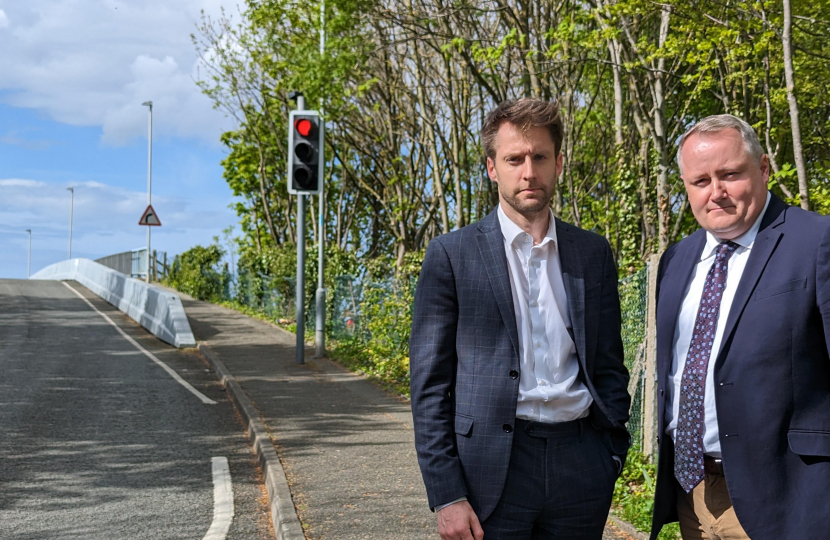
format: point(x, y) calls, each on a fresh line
point(743, 321)
point(518, 385)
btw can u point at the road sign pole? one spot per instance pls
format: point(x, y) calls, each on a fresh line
point(29, 258)
point(71, 211)
point(149, 178)
point(300, 292)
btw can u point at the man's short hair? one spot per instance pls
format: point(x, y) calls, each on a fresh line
point(524, 113)
point(720, 122)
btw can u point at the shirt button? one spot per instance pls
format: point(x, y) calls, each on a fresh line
point(507, 428)
point(538, 343)
point(514, 374)
point(534, 303)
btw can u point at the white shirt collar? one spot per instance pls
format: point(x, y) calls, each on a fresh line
point(745, 240)
point(513, 232)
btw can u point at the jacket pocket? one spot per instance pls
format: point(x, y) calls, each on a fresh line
point(809, 443)
point(781, 288)
point(463, 424)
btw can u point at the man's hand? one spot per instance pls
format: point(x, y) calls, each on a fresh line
point(458, 521)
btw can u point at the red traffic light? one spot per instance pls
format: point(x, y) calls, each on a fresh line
point(303, 126)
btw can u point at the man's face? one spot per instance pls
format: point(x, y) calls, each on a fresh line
point(727, 188)
point(525, 168)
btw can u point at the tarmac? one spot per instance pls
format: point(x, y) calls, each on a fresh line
point(345, 447)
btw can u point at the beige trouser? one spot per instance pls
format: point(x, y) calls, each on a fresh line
point(707, 514)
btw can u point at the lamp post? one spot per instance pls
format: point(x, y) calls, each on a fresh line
point(71, 191)
point(29, 258)
point(149, 178)
point(320, 330)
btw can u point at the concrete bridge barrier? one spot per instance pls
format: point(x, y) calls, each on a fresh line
point(155, 309)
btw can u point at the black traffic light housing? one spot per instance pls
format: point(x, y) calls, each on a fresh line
point(305, 152)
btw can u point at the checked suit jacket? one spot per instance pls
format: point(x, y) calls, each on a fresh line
point(464, 356)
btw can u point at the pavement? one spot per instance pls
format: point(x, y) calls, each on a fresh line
point(99, 442)
point(346, 446)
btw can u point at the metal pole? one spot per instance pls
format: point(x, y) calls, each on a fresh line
point(29, 260)
point(71, 210)
point(300, 300)
point(300, 292)
point(149, 180)
point(320, 305)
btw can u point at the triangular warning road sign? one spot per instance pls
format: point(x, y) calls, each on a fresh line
point(150, 218)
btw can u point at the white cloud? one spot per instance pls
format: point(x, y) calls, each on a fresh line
point(105, 221)
point(93, 62)
point(13, 138)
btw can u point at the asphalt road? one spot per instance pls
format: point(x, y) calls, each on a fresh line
point(99, 442)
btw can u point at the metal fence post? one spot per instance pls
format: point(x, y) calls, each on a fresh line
point(650, 384)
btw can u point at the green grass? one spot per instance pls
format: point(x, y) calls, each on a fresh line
point(634, 495)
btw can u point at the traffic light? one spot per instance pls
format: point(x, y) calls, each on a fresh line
point(305, 157)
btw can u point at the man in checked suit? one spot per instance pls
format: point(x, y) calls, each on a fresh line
point(518, 385)
point(743, 328)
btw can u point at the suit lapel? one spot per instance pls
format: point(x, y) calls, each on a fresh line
point(491, 247)
point(574, 280)
point(672, 293)
point(762, 249)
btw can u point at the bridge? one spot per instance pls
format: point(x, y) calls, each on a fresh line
point(110, 433)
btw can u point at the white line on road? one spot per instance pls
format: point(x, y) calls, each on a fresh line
point(222, 500)
point(147, 353)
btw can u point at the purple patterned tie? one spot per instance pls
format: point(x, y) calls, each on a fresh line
point(688, 438)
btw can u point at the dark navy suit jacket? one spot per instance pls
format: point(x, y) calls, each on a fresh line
point(772, 378)
point(464, 356)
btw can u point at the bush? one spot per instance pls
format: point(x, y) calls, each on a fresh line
point(195, 272)
point(379, 345)
point(634, 495)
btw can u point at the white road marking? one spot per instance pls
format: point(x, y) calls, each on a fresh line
point(222, 500)
point(147, 353)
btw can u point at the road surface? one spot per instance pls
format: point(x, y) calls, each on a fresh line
point(99, 441)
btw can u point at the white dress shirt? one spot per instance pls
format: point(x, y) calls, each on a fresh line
point(686, 324)
point(549, 387)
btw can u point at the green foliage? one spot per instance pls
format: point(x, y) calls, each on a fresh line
point(379, 345)
point(634, 495)
point(196, 272)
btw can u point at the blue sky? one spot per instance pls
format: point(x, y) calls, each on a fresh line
point(73, 75)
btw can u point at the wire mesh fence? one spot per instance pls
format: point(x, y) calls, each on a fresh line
point(272, 296)
point(352, 305)
point(633, 302)
point(373, 318)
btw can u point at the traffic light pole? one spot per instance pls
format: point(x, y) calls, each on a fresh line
point(300, 292)
point(300, 300)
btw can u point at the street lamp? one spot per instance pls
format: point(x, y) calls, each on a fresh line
point(149, 178)
point(29, 259)
point(71, 209)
